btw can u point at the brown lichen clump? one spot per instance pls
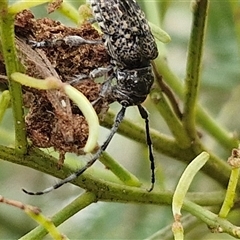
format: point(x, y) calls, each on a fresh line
point(49, 122)
point(67, 61)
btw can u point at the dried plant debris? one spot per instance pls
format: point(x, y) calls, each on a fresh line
point(49, 122)
point(67, 61)
point(54, 5)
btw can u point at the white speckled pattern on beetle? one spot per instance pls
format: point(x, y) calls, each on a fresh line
point(131, 46)
point(127, 35)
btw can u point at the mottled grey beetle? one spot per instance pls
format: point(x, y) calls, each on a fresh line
point(131, 46)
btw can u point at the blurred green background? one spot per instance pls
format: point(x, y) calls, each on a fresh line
point(219, 94)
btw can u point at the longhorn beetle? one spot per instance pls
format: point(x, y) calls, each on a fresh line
point(131, 46)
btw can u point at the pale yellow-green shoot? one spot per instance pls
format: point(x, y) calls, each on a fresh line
point(186, 180)
point(25, 4)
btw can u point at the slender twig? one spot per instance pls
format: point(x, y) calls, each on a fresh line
point(123, 174)
point(220, 134)
point(12, 65)
point(167, 91)
point(216, 223)
point(171, 79)
point(35, 214)
point(74, 207)
point(170, 118)
point(234, 162)
point(194, 59)
point(204, 119)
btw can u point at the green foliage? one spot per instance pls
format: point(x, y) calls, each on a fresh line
point(200, 68)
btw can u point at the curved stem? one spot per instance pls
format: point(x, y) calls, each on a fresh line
point(185, 181)
point(69, 11)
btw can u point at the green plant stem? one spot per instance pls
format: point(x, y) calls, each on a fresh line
point(74, 207)
point(194, 58)
point(12, 65)
point(45, 223)
point(230, 194)
point(161, 142)
point(215, 167)
point(221, 135)
point(170, 118)
point(20, 5)
point(124, 175)
point(216, 223)
point(35, 214)
point(69, 11)
point(172, 80)
point(105, 191)
point(177, 230)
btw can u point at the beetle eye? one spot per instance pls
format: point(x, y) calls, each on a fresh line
point(121, 76)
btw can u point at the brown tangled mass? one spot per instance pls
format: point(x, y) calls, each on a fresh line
point(48, 123)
